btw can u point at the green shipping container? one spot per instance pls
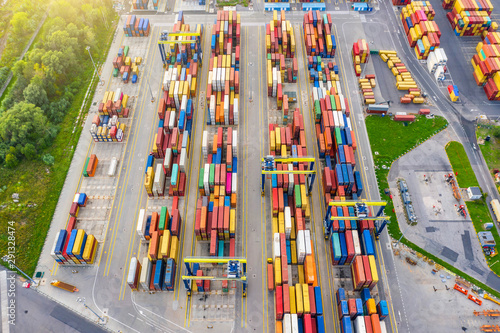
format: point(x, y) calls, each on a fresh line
point(163, 223)
point(200, 179)
point(125, 51)
point(85, 174)
point(338, 137)
point(332, 101)
point(317, 110)
point(211, 179)
point(298, 201)
point(221, 248)
point(115, 72)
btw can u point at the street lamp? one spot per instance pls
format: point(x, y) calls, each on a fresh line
point(9, 261)
point(82, 300)
point(97, 72)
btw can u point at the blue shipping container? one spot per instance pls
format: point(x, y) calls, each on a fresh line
point(159, 274)
point(60, 242)
point(340, 295)
point(319, 301)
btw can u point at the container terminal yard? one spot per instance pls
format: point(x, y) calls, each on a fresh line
point(224, 179)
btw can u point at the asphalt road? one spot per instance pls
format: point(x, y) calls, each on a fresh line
point(34, 312)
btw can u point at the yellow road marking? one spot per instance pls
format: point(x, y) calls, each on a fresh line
point(365, 182)
point(318, 175)
point(133, 234)
point(127, 174)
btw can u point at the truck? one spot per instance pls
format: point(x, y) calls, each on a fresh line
point(292, 96)
point(65, 286)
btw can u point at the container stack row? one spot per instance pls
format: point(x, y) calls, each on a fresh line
point(361, 314)
point(366, 86)
point(114, 103)
point(486, 65)
point(421, 31)
point(73, 246)
point(136, 27)
point(360, 55)
point(436, 63)
point(282, 65)
point(161, 232)
point(166, 165)
point(106, 127)
point(125, 66)
point(470, 17)
point(401, 2)
point(182, 53)
point(217, 185)
point(224, 77)
point(318, 34)
point(404, 79)
point(292, 271)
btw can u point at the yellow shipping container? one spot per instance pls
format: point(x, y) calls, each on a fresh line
point(174, 248)
point(275, 225)
point(232, 220)
point(78, 242)
point(305, 298)
point(373, 269)
point(281, 223)
point(370, 306)
point(293, 301)
point(277, 272)
point(164, 245)
point(87, 252)
point(272, 140)
point(293, 250)
point(303, 197)
point(299, 298)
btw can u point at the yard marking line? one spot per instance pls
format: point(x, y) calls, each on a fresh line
point(187, 311)
point(318, 174)
point(133, 234)
point(186, 203)
point(364, 177)
point(127, 174)
point(316, 155)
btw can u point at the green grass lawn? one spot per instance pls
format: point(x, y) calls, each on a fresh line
point(490, 149)
point(461, 165)
point(39, 186)
point(222, 3)
point(392, 139)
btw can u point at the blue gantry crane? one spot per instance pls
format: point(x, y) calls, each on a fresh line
point(269, 168)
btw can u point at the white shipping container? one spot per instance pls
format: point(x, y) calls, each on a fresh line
point(276, 245)
point(76, 197)
point(183, 160)
point(349, 123)
point(131, 270)
point(295, 322)
point(53, 249)
point(357, 244)
point(336, 120)
point(145, 273)
point(112, 167)
point(171, 120)
point(301, 247)
point(118, 94)
point(234, 183)
point(167, 161)
point(287, 324)
point(290, 180)
point(339, 90)
point(307, 239)
point(204, 143)
point(288, 222)
point(235, 137)
point(432, 62)
point(359, 324)
point(383, 326)
point(342, 103)
point(443, 57)
point(141, 224)
point(159, 179)
point(439, 73)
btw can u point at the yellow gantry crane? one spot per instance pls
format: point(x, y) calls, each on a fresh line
point(361, 212)
point(236, 270)
point(269, 168)
point(169, 38)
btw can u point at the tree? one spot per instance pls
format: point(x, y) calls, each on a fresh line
point(20, 25)
point(24, 123)
point(11, 161)
point(48, 159)
point(35, 94)
point(29, 151)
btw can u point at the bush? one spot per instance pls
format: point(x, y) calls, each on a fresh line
point(48, 159)
point(11, 161)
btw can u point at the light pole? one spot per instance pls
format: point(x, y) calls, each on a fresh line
point(82, 300)
point(7, 260)
point(88, 49)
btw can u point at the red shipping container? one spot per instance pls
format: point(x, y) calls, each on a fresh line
point(279, 302)
point(350, 245)
point(351, 303)
point(308, 323)
point(312, 301)
point(286, 298)
point(368, 272)
point(213, 242)
point(71, 224)
point(368, 324)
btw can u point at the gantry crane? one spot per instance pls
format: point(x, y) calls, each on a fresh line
point(236, 270)
point(361, 213)
point(269, 168)
point(169, 38)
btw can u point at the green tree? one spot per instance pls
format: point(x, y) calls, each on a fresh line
point(29, 151)
point(11, 161)
point(24, 123)
point(20, 25)
point(48, 159)
point(35, 94)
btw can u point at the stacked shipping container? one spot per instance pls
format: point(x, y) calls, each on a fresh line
point(366, 86)
point(486, 64)
point(421, 31)
point(136, 27)
point(470, 17)
point(167, 163)
point(162, 232)
point(318, 34)
point(360, 55)
point(280, 46)
point(217, 185)
point(223, 77)
point(361, 314)
point(404, 79)
point(74, 246)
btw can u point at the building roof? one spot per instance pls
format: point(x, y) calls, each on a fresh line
point(475, 190)
point(486, 238)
